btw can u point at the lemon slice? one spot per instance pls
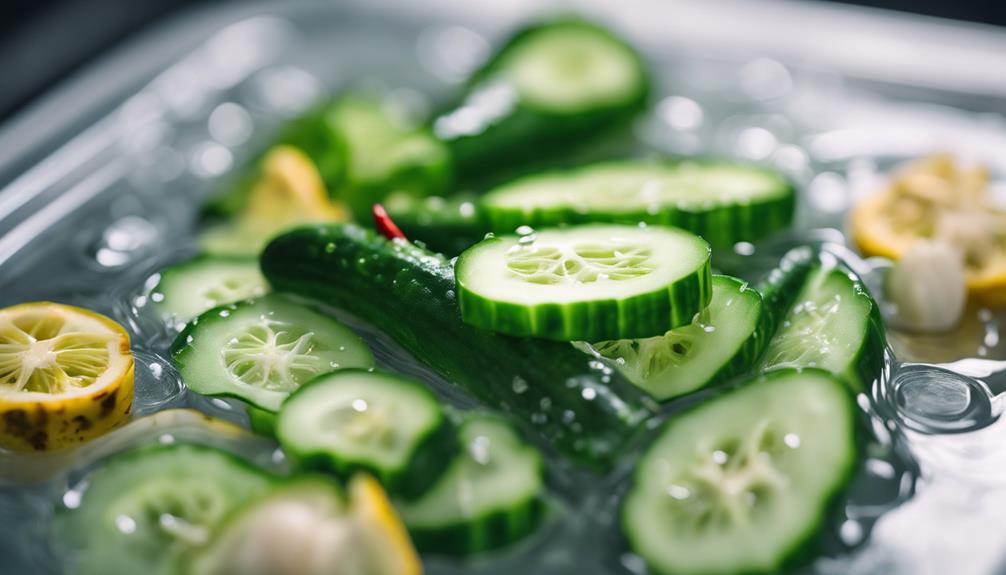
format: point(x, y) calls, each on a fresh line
point(392, 547)
point(288, 193)
point(66, 375)
point(935, 199)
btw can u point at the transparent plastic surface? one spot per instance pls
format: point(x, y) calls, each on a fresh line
point(92, 225)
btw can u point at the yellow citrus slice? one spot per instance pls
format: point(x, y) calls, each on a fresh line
point(935, 199)
point(66, 376)
point(369, 505)
point(288, 193)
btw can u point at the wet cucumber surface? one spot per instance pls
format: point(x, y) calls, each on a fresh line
point(607, 552)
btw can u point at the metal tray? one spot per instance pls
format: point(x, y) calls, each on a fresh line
point(101, 180)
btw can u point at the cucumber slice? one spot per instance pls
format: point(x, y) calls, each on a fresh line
point(832, 324)
point(725, 339)
point(742, 482)
point(552, 86)
point(723, 202)
point(308, 528)
point(261, 350)
point(354, 420)
point(190, 288)
point(585, 283)
point(145, 509)
point(491, 495)
point(386, 154)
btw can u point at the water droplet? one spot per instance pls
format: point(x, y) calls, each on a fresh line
point(359, 405)
point(519, 385)
point(479, 449)
point(125, 524)
point(791, 440)
point(329, 247)
point(71, 499)
point(934, 400)
point(524, 230)
point(720, 456)
point(678, 492)
point(851, 532)
point(589, 393)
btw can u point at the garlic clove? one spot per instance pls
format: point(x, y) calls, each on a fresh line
point(928, 287)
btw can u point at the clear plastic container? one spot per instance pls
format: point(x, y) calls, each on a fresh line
point(105, 176)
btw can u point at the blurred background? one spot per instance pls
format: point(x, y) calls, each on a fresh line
point(44, 41)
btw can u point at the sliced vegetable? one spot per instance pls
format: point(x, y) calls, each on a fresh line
point(354, 420)
point(724, 340)
point(144, 510)
point(188, 289)
point(585, 283)
point(262, 350)
point(722, 202)
point(935, 198)
point(550, 86)
point(66, 376)
point(491, 495)
point(288, 192)
point(930, 271)
point(744, 482)
point(833, 324)
point(262, 421)
point(572, 400)
point(386, 153)
point(308, 527)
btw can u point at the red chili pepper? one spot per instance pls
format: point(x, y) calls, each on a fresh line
point(385, 225)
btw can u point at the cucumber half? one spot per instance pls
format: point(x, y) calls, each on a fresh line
point(355, 420)
point(491, 495)
point(585, 283)
point(723, 202)
point(725, 339)
point(261, 350)
point(832, 324)
point(190, 288)
point(145, 509)
point(741, 483)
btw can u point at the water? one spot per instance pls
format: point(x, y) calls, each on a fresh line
point(927, 495)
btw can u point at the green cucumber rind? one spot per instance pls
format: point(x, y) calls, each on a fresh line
point(408, 293)
point(494, 530)
point(720, 224)
point(805, 549)
point(747, 353)
point(427, 461)
point(262, 421)
point(528, 133)
point(641, 315)
point(782, 286)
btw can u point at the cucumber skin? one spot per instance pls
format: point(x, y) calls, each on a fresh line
point(492, 531)
point(262, 421)
point(408, 293)
point(438, 222)
point(748, 354)
point(721, 226)
point(528, 134)
point(806, 550)
point(780, 289)
point(645, 314)
point(429, 459)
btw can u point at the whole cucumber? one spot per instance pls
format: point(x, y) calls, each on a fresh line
point(576, 403)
